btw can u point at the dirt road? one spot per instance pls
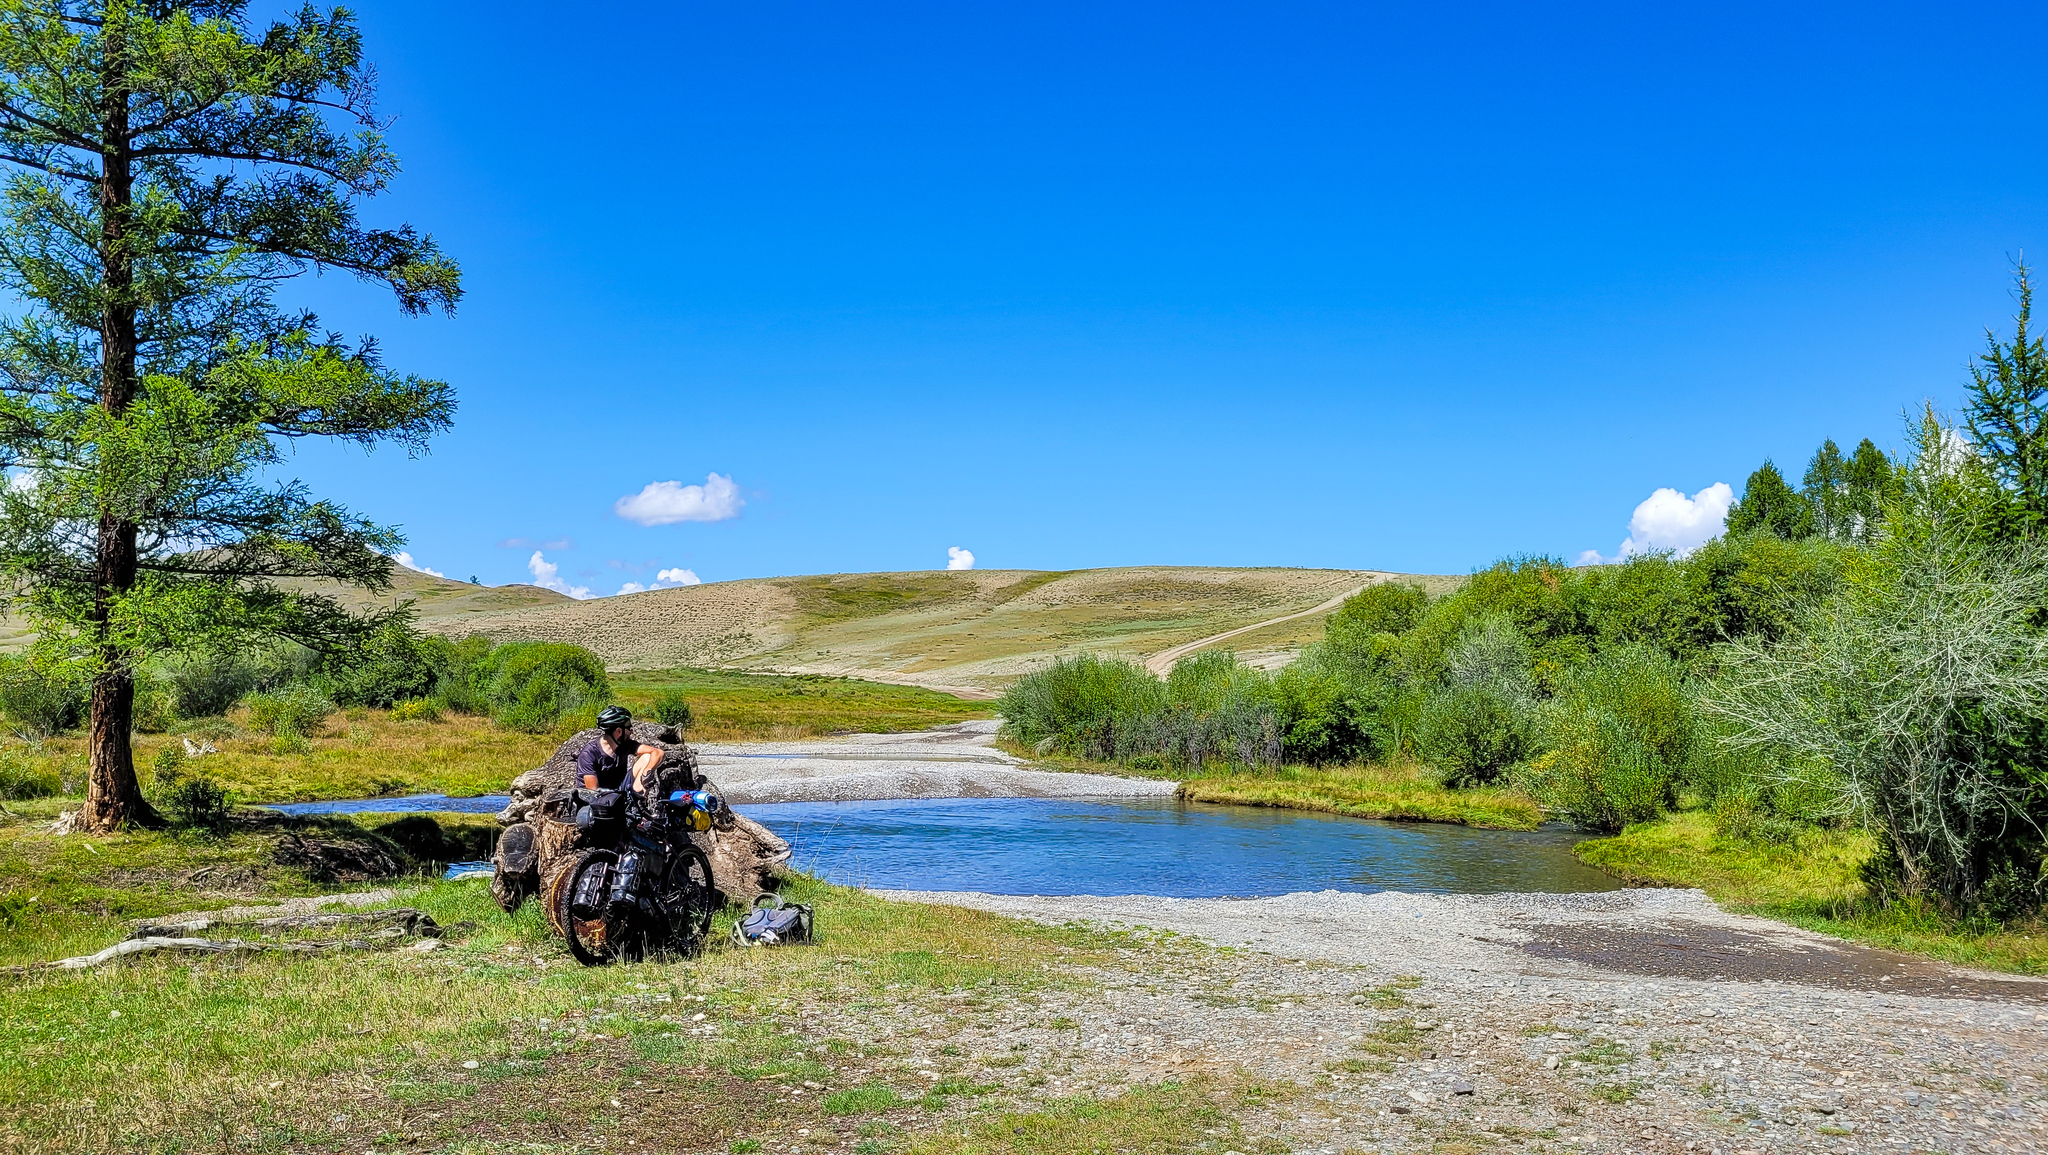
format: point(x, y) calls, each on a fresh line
point(1162, 662)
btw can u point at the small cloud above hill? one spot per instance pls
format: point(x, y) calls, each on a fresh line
point(547, 575)
point(405, 559)
point(667, 579)
point(957, 558)
point(669, 502)
point(1668, 519)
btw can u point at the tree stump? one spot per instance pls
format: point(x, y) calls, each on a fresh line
point(747, 859)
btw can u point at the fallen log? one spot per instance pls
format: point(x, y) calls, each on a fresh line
point(159, 944)
point(406, 920)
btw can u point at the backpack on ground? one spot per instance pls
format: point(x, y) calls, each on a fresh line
point(773, 922)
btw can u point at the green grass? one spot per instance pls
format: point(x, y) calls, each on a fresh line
point(367, 753)
point(1811, 882)
point(735, 707)
point(369, 1051)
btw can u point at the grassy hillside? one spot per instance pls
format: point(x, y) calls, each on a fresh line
point(963, 632)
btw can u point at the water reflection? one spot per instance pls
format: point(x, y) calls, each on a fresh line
point(1162, 847)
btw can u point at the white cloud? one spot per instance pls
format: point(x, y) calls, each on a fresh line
point(405, 559)
point(668, 502)
point(665, 580)
point(1668, 519)
point(957, 558)
point(548, 575)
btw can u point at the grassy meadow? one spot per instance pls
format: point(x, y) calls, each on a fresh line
point(499, 1040)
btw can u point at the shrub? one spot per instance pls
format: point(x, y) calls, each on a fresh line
point(534, 686)
point(464, 686)
point(23, 777)
point(1080, 705)
point(289, 715)
point(416, 710)
point(1621, 738)
point(207, 683)
point(198, 803)
point(1472, 734)
point(672, 709)
point(41, 699)
point(394, 663)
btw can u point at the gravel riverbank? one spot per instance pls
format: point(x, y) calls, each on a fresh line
point(1644, 1020)
point(957, 761)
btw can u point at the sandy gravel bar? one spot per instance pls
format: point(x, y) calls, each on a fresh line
point(1639, 1020)
point(957, 761)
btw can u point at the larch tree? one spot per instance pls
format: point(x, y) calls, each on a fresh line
point(169, 166)
point(1768, 503)
point(2008, 409)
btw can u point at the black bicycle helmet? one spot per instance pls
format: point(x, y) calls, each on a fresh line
point(613, 718)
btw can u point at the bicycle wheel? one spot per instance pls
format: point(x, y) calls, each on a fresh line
point(690, 898)
point(594, 941)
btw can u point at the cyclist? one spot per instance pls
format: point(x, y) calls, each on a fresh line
point(613, 756)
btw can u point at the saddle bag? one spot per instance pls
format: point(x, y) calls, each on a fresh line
point(594, 807)
point(773, 922)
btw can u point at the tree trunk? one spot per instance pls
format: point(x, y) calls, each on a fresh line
point(113, 795)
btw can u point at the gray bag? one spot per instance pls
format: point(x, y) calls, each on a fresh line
point(773, 922)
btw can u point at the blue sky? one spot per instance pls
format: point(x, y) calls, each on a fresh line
point(1088, 285)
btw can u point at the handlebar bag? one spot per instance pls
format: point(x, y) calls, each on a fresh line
point(595, 806)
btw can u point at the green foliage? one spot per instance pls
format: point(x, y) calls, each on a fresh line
point(2007, 407)
point(207, 682)
point(41, 698)
point(671, 708)
point(194, 801)
point(1621, 737)
point(1769, 505)
point(1472, 734)
point(1081, 706)
point(533, 686)
point(169, 167)
point(24, 777)
point(416, 710)
point(289, 715)
point(1921, 687)
point(393, 662)
point(464, 686)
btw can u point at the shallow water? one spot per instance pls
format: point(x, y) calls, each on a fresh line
point(1162, 847)
point(410, 803)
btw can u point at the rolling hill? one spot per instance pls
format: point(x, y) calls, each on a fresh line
point(968, 632)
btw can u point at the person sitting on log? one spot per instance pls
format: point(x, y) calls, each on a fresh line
point(611, 757)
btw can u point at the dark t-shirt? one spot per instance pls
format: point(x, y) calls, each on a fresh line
point(610, 769)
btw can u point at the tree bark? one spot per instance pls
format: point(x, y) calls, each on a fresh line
point(113, 797)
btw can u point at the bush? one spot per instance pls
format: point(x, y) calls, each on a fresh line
point(465, 681)
point(197, 802)
point(394, 663)
point(289, 715)
point(209, 682)
point(1621, 738)
point(1472, 735)
point(23, 777)
point(41, 699)
point(672, 709)
point(1080, 705)
point(534, 686)
point(416, 710)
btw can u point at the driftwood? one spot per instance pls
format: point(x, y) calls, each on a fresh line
point(747, 859)
point(406, 920)
point(149, 938)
